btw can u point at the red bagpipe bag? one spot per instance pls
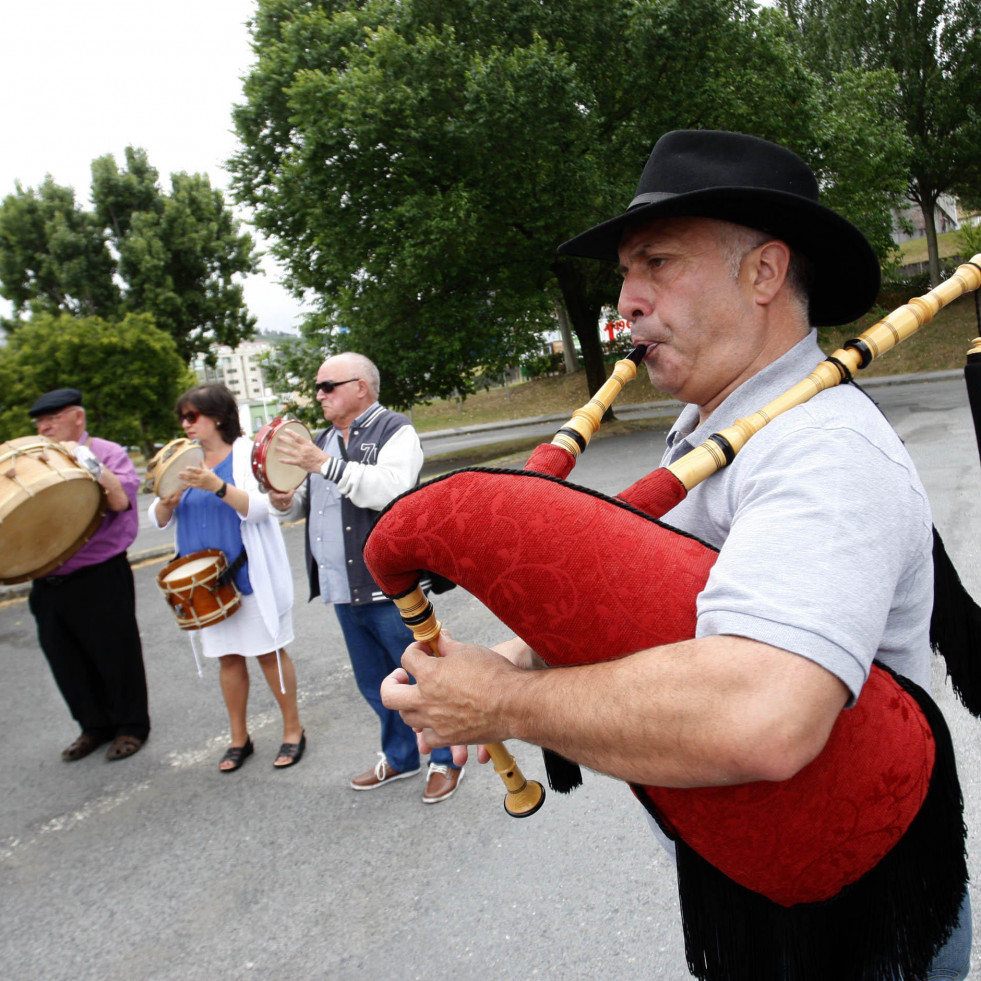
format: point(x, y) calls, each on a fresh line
point(853, 868)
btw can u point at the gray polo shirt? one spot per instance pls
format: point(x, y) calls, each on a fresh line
point(824, 529)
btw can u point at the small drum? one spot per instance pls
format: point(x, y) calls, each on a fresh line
point(168, 462)
point(266, 465)
point(50, 506)
point(191, 588)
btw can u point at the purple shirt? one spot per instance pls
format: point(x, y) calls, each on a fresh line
point(118, 528)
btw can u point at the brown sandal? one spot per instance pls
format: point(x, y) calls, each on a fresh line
point(85, 744)
point(123, 746)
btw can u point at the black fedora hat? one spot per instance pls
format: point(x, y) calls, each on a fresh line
point(751, 182)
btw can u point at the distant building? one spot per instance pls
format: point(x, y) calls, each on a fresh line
point(945, 219)
point(240, 370)
point(237, 368)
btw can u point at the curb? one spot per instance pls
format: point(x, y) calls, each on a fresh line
point(668, 407)
point(19, 590)
point(652, 410)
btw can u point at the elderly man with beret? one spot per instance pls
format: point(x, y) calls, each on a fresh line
point(85, 609)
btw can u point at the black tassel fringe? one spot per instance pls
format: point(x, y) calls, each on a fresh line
point(888, 924)
point(563, 775)
point(955, 629)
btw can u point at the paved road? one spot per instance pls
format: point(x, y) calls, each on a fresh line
point(158, 868)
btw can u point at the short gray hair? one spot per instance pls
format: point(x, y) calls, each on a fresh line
point(364, 368)
point(738, 240)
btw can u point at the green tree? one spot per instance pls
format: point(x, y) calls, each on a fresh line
point(53, 255)
point(932, 48)
point(130, 373)
point(292, 366)
point(177, 256)
point(417, 163)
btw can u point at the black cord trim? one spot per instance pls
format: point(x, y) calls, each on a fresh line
point(846, 375)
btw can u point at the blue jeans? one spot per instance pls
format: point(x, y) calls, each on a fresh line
point(376, 638)
point(954, 960)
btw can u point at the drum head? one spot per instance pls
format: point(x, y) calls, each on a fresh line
point(165, 477)
point(281, 476)
point(190, 568)
point(49, 508)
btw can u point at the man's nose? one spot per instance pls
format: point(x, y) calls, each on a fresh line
point(631, 304)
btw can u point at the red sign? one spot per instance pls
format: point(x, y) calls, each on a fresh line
point(614, 327)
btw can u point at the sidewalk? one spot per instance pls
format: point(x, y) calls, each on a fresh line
point(151, 544)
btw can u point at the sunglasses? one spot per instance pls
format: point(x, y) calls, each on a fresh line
point(190, 416)
point(328, 387)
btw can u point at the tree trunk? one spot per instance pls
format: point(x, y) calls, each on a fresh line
point(584, 319)
point(568, 348)
point(928, 208)
point(147, 446)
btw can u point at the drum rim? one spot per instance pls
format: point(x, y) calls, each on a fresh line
point(220, 565)
point(37, 441)
point(156, 470)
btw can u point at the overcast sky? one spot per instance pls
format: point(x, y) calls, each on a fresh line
point(83, 78)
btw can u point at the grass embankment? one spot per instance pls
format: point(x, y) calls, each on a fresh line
point(939, 346)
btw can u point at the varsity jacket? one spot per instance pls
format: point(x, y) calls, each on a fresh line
point(369, 433)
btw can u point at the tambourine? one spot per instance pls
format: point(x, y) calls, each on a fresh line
point(269, 470)
point(162, 471)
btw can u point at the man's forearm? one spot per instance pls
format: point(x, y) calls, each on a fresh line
point(683, 715)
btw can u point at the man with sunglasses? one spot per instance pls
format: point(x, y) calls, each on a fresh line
point(86, 608)
point(367, 457)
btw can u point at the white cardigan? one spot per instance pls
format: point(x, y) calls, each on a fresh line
point(269, 568)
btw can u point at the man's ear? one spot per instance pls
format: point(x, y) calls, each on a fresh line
point(771, 262)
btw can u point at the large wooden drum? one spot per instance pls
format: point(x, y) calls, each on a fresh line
point(50, 506)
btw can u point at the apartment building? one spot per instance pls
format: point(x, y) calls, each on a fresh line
point(240, 370)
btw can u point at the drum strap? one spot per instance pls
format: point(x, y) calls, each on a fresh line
point(233, 567)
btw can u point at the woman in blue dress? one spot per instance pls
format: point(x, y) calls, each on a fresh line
point(220, 506)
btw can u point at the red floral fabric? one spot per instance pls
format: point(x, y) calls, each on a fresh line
point(585, 578)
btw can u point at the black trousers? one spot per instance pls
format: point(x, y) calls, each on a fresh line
point(86, 625)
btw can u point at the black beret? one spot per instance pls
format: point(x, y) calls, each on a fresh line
point(60, 398)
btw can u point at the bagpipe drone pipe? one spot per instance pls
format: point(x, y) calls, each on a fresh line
point(853, 868)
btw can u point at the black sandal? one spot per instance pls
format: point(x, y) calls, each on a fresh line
point(237, 755)
point(293, 750)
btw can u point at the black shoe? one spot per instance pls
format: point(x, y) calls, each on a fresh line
point(236, 755)
point(293, 750)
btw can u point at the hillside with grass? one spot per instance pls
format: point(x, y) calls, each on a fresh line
point(939, 346)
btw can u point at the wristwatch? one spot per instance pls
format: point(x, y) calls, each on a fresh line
point(221, 490)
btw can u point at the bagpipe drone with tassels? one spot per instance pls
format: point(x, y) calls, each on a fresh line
point(855, 867)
